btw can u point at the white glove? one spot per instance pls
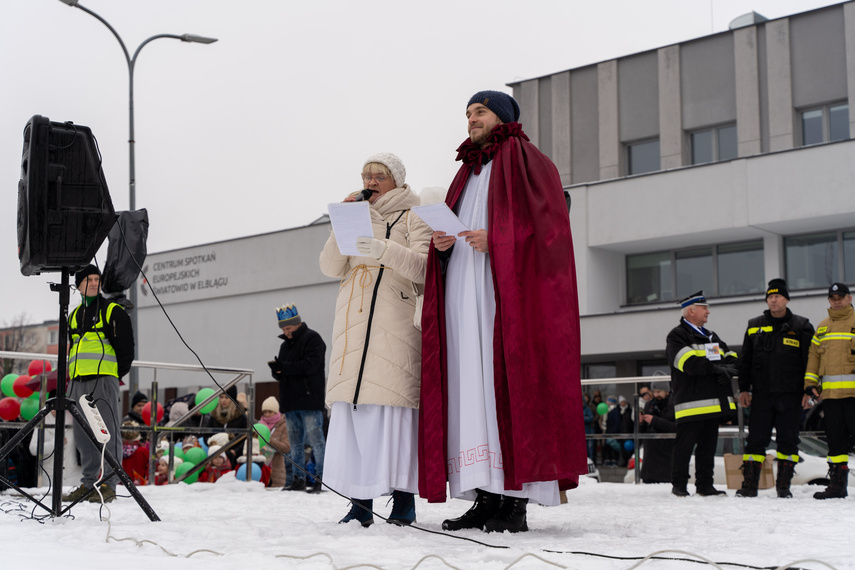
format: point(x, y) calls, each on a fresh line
point(370, 246)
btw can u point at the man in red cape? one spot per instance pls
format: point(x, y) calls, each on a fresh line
point(535, 333)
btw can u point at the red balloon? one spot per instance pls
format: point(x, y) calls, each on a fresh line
point(10, 409)
point(146, 414)
point(36, 367)
point(20, 387)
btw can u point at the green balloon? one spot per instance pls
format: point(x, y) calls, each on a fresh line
point(7, 385)
point(203, 395)
point(194, 455)
point(184, 468)
point(263, 433)
point(178, 452)
point(602, 408)
point(29, 408)
point(34, 396)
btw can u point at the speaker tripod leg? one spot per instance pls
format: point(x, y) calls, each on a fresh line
point(117, 467)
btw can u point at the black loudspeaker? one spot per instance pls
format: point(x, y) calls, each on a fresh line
point(64, 207)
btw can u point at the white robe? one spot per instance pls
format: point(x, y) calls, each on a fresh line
point(372, 451)
point(474, 451)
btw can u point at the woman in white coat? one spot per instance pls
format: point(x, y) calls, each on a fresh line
point(375, 362)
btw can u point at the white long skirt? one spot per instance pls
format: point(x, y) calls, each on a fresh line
point(474, 450)
point(372, 451)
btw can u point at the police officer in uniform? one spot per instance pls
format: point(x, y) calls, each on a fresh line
point(102, 351)
point(771, 382)
point(701, 370)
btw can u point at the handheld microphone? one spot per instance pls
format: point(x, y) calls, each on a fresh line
point(363, 195)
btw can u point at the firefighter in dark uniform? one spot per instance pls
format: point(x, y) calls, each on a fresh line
point(771, 378)
point(701, 371)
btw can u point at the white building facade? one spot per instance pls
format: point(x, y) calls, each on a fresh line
point(716, 164)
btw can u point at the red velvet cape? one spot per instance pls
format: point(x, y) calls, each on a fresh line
point(536, 344)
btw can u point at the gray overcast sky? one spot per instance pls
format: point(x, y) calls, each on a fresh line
point(261, 130)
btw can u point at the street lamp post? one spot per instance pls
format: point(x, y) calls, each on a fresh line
point(133, 385)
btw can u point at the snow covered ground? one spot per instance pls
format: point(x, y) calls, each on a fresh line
point(232, 524)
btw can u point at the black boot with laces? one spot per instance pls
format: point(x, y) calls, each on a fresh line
point(486, 506)
point(511, 516)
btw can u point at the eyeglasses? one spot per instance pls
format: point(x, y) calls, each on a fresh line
point(380, 178)
point(645, 394)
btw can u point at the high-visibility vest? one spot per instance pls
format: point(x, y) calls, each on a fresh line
point(91, 353)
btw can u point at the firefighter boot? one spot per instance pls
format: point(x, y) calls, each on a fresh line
point(750, 478)
point(838, 473)
point(785, 475)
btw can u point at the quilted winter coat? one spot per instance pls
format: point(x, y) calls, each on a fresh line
point(376, 351)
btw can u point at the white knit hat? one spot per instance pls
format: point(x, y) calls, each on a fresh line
point(393, 163)
point(213, 449)
point(271, 404)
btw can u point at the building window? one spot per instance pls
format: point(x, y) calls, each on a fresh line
point(649, 278)
point(53, 337)
point(825, 124)
point(713, 145)
point(721, 270)
point(740, 268)
point(601, 370)
point(816, 261)
point(643, 157)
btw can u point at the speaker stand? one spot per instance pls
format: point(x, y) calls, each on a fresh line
point(61, 404)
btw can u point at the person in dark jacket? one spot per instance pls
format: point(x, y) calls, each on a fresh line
point(299, 369)
point(771, 375)
point(657, 417)
point(102, 351)
point(701, 371)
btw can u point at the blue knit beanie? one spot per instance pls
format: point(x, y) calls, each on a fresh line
point(502, 104)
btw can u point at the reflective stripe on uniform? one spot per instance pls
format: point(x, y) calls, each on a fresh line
point(812, 377)
point(697, 408)
point(838, 459)
point(686, 353)
point(782, 457)
point(838, 382)
point(755, 330)
point(757, 458)
point(837, 336)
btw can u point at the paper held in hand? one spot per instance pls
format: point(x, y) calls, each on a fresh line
point(440, 218)
point(350, 220)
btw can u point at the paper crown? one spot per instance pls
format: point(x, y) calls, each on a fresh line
point(288, 315)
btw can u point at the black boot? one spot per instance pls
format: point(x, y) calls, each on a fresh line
point(750, 478)
point(360, 510)
point(838, 473)
point(511, 516)
point(486, 506)
point(785, 475)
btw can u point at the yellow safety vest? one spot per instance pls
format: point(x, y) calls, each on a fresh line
point(91, 353)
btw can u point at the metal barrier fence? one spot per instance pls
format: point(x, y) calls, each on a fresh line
point(156, 432)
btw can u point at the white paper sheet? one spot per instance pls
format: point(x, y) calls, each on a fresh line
point(440, 218)
point(350, 220)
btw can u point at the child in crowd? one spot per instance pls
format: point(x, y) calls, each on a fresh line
point(279, 443)
point(258, 459)
point(134, 453)
point(217, 467)
point(161, 475)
